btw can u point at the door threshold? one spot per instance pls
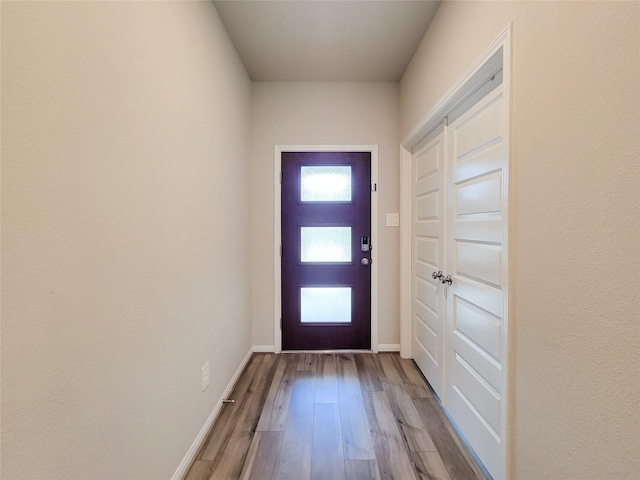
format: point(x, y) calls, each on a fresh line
point(327, 351)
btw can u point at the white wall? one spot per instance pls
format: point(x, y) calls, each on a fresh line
point(575, 224)
point(125, 227)
point(323, 114)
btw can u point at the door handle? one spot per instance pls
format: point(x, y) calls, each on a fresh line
point(441, 277)
point(365, 261)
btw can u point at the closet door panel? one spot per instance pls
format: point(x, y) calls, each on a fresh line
point(428, 200)
point(479, 131)
point(479, 196)
point(479, 162)
point(475, 226)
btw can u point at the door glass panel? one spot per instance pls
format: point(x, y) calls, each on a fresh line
point(327, 183)
point(325, 305)
point(325, 244)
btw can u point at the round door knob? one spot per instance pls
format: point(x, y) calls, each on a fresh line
point(364, 261)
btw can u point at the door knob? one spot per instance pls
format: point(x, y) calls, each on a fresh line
point(435, 275)
point(364, 261)
point(446, 279)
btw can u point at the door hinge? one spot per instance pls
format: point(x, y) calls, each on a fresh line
point(280, 250)
point(280, 323)
point(374, 187)
point(280, 177)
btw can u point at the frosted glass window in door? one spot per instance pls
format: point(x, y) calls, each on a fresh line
point(325, 183)
point(325, 244)
point(325, 305)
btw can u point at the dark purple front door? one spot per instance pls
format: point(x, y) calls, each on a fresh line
point(326, 231)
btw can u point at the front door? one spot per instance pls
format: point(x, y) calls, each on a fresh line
point(326, 250)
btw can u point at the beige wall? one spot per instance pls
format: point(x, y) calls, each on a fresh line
point(323, 114)
point(574, 224)
point(125, 223)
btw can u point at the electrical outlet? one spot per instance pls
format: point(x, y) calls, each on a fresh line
point(205, 376)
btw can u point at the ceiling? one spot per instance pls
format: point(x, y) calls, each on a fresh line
point(329, 40)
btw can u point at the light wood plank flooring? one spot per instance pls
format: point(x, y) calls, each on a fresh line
point(316, 416)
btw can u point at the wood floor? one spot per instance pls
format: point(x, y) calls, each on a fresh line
point(339, 416)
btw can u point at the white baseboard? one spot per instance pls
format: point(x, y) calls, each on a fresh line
point(264, 349)
point(389, 347)
point(197, 443)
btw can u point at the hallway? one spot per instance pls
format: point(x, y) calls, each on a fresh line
point(332, 416)
point(141, 238)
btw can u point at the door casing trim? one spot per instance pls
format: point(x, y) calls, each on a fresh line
point(277, 234)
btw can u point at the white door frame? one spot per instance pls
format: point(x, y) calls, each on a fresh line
point(495, 58)
point(277, 234)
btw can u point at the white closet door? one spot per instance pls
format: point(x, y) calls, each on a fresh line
point(428, 199)
point(476, 234)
